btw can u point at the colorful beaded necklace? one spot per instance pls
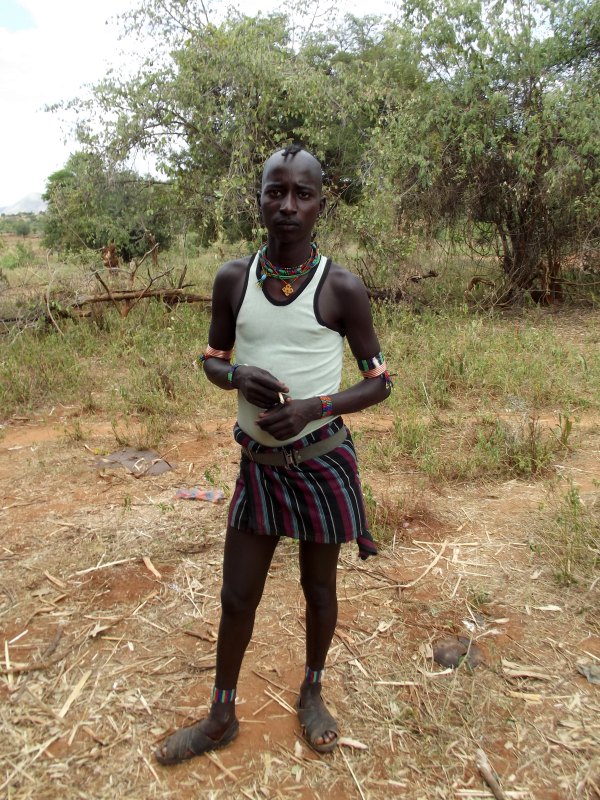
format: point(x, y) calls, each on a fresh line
point(287, 275)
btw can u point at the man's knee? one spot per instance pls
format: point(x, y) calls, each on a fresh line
point(319, 595)
point(236, 602)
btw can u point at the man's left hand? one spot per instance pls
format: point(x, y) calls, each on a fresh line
point(287, 419)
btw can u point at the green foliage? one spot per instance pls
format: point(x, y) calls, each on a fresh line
point(521, 450)
point(23, 224)
point(522, 365)
point(90, 206)
point(22, 228)
point(475, 117)
point(501, 138)
point(115, 366)
point(214, 100)
point(37, 370)
point(488, 447)
point(569, 533)
point(577, 538)
point(385, 516)
point(21, 255)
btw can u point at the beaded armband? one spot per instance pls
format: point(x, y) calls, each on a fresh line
point(212, 352)
point(375, 367)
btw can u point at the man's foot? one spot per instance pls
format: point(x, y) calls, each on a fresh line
point(217, 730)
point(318, 726)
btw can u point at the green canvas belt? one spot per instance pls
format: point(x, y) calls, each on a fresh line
point(291, 456)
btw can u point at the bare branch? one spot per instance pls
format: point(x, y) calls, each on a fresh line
point(52, 320)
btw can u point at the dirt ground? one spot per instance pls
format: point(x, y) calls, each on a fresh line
point(109, 610)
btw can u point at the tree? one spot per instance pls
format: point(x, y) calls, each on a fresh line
point(478, 116)
point(215, 99)
point(502, 137)
point(90, 206)
point(22, 227)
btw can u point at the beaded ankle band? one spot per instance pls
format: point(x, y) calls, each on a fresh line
point(223, 695)
point(314, 675)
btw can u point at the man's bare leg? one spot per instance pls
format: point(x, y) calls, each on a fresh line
point(318, 575)
point(246, 563)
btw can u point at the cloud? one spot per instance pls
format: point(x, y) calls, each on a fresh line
point(68, 45)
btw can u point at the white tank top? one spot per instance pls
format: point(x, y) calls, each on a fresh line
point(287, 338)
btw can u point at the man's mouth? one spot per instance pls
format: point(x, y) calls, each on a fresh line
point(286, 223)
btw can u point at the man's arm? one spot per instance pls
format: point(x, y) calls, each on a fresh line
point(221, 333)
point(257, 385)
point(345, 306)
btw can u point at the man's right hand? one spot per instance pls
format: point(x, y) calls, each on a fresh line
point(258, 386)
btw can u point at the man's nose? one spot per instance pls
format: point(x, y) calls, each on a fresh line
point(288, 203)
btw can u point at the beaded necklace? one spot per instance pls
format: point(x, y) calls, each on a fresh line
point(287, 275)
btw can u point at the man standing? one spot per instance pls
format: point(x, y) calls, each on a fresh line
point(287, 310)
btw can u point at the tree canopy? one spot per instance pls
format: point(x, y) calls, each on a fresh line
point(475, 115)
point(90, 206)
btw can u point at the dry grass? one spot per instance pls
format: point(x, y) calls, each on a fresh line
point(100, 657)
point(109, 586)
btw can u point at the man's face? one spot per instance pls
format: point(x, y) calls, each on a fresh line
point(291, 198)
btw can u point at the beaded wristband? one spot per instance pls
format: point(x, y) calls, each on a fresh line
point(326, 405)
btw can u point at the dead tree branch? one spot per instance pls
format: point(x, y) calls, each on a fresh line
point(97, 275)
point(47, 295)
point(167, 294)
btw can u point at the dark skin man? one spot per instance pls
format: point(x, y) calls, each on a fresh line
point(290, 201)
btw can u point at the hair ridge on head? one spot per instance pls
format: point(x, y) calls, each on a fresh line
point(292, 149)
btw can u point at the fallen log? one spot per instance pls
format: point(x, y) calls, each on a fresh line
point(175, 295)
point(390, 295)
point(398, 294)
point(76, 308)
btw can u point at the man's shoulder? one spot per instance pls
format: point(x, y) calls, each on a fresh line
point(344, 280)
point(232, 271)
point(236, 265)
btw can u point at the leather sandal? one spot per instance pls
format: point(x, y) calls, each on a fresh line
point(192, 741)
point(316, 722)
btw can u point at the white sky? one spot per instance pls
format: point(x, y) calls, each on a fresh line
point(49, 49)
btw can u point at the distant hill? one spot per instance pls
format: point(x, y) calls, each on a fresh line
point(31, 204)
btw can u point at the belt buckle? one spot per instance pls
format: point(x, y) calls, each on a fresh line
point(290, 457)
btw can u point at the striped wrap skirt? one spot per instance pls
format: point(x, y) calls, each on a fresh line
point(319, 500)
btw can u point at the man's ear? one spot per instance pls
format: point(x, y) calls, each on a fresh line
point(258, 204)
point(322, 204)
